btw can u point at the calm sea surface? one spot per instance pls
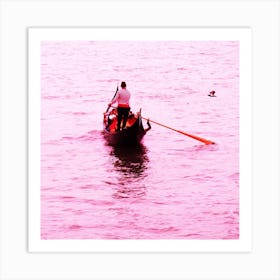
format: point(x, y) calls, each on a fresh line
point(171, 186)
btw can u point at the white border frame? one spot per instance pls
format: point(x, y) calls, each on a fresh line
point(262, 262)
point(242, 35)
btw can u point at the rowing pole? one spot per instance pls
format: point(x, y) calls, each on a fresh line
point(205, 141)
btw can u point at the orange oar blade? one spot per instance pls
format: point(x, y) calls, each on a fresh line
point(207, 142)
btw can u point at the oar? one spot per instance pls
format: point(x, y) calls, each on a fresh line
point(205, 141)
point(113, 97)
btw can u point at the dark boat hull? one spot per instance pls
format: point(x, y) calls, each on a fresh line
point(130, 136)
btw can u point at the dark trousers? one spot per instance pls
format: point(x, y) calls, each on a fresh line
point(122, 115)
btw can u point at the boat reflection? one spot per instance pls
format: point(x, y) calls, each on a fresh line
point(131, 161)
point(131, 164)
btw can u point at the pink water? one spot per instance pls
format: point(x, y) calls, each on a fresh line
point(171, 187)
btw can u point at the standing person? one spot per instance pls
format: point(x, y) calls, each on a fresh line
point(122, 97)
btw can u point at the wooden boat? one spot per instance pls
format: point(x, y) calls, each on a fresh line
point(131, 135)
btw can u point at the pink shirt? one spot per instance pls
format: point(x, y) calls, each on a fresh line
point(122, 97)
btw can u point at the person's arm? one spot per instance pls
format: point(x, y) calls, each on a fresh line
point(114, 99)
